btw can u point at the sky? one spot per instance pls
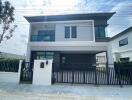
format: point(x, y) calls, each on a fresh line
point(18, 43)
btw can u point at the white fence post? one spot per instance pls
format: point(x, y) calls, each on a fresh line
point(19, 70)
point(110, 56)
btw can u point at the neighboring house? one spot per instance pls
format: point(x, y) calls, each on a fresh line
point(101, 59)
point(11, 56)
point(122, 45)
point(71, 40)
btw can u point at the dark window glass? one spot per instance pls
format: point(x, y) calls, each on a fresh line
point(40, 55)
point(100, 32)
point(126, 59)
point(67, 32)
point(74, 31)
point(49, 55)
point(96, 32)
point(44, 55)
point(44, 35)
point(123, 42)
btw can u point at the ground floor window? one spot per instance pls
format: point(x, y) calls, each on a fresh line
point(126, 59)
point(41, 55)
point(44, 55)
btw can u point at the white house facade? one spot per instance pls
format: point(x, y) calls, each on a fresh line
point(122, 45)
point(72, 41)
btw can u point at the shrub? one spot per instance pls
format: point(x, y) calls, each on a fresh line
point(9, 65)
point(123, 68)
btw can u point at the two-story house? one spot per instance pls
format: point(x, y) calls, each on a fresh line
point(71, 40)
point(122, 45)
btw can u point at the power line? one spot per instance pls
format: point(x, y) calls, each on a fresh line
point(40, 9)
point(110, 25)
point(78, 4)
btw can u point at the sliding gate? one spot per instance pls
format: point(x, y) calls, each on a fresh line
point(98, 76)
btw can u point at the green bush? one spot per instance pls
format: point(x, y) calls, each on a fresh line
point(9, 65)
point(123, 68)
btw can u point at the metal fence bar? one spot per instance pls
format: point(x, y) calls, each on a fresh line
point(26, 74)
point(98, 76)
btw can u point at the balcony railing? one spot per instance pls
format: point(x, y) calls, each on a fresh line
point(45, 38)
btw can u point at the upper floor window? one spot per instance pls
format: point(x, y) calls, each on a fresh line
point(100, 32)
point(123, 42)
point(67, 32)
point(74, 31)
point(70, 32)
point(44, 35)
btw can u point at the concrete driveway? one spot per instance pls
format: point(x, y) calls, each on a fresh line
point(12, 91)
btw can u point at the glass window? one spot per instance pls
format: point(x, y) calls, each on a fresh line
point(40, 55)
point(100, 32)
point(67, 32)
point(49, 55)
point(74, 31)
point(96, 32)
point(46, 35)
point(63, 60)
point(44, 55)
point(33, 38)
point(123, 42)
point(126, 59)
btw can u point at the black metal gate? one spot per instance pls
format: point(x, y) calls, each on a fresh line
point(98, 76)
point(26, 74)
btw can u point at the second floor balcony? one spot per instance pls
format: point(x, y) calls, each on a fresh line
point(43, 38)
point(68, 32)
point(51, 38)
point(43, 35)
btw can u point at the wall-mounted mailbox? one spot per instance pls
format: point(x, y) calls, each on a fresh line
point(42, 65)
point(47, 62)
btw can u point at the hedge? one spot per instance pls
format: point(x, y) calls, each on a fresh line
point(123, 68)
point(9, 65)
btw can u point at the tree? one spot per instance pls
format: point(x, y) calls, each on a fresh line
point(6, 20)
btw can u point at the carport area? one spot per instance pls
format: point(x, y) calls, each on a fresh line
point(73, 60)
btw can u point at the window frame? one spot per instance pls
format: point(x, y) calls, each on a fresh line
point(98, 32)
point(67, 34)
point(44, 54)
point(71, 33)
point(125, 59)
point(43, 34)
point(123, 42)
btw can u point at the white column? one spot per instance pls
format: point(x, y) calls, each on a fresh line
point(117, 57)
point(110, 56)
point(19, 70)
point(28, 53)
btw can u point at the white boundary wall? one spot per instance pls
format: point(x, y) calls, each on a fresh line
point(11, 77)
point(42, 76)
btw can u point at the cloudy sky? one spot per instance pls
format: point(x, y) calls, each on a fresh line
point(18, 44)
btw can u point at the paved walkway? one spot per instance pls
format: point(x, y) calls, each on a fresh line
point(63, 92)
